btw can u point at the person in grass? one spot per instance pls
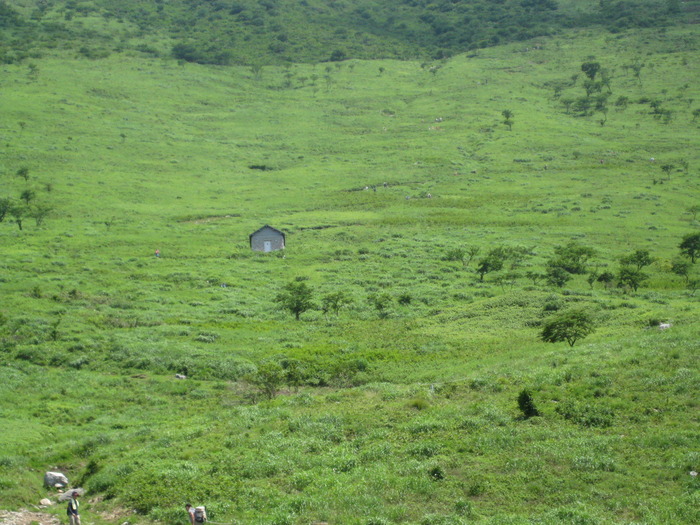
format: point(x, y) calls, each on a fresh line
point(190, 513)
point(73, 513)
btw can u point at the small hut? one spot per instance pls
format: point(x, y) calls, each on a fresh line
point(267, 239)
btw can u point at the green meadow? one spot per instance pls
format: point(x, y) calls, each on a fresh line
point(402, 405)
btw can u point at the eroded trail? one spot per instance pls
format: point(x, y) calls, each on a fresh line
point(25, 517)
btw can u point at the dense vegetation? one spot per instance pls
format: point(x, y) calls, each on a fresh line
point(275, 31)
point(465, 325)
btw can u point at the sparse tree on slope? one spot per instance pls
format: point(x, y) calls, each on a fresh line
point(569, 326)
point(296, 297)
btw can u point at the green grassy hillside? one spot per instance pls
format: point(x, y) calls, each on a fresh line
point(274, 32)
point(402, 407)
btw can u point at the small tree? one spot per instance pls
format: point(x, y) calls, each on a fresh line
point(590, 69)
point(472, 252)
point(667, 169)
point(493, 262)
point(23, 172)
point(690, 246)
point(333, 302)
point(556, 275)
point(607, 278)
point(269, 377)
point(18, 212)
point(535, 277)
point(591, 279)
point(569, 326)
point(681, 267)
point(527, 405)
point(639, 259)
point(693, 210)
point(296, 297)
point(39, 212)
point(573, 257)
point(5, 205)
point(692, 285)
point(27, 196)
point(508, 116)
point(631, 276)
point(381, 303)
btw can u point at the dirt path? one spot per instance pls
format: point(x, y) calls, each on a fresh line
point(25, 517)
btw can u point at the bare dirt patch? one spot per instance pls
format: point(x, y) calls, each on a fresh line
point(26, 517)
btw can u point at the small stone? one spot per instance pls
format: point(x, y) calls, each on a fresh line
point(46, 502)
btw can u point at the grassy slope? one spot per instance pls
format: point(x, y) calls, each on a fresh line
point(171, 171)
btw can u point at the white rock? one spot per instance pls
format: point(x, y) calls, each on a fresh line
point(55, 479)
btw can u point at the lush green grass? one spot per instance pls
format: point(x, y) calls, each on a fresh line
point(403, 416)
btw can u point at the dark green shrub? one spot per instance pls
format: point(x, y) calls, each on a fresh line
point(527, 405)
point(436, 473)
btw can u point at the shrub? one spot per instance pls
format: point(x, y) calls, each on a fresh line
point(436, 473)
point(463, 508)
point(527, 405)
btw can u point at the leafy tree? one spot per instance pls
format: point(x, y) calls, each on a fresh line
point(690, 246)
point(568, 102)
point(508, 116)
point(631, 276)
point(667, 169)
point(296, 297)
point(591, 86)
point(39, 212)
point(591, 279)
point(622, 102)
point(527, 405)
point(381, 303)
point(639, 259)
point(18, 212)
point(493, 262)
point(269, 377)
point(27, 196)
point(692, 285)
point(569, 326)
point(573, 257)
point(293, 372)
point(23, 172)
point(472, 252)
point(556, 275)
point(333, 302)
point(5, 205)
point(590, 69)
point(681, 267)
point(637, 71)
point(607, 278)
point(509, 279)
point(694, 210)
point(535, 277)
